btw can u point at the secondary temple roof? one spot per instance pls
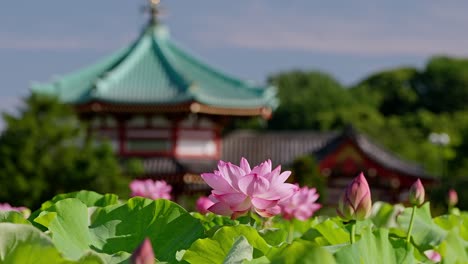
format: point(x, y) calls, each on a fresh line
point(155, 73)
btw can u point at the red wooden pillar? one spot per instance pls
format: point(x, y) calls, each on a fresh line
point(122, 135)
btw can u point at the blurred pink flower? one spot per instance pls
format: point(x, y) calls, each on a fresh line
point(433, 255)
point(355, 203)
point(203, 203)
point(452, 198)
point(7, 207)
point(151, 189)
point(143, 254)
point(416, 193)
point(238, 189)
point(302, 205)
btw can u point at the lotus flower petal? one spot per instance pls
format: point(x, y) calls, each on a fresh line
point(269, 212)
point(281, 192)
point(263, 203)
point(203, 203)
point(279, 178)
point(244, 164)
point(231, 199)
point(252, 185)
point(221, 208)
point(217, 182)
point(262, 169)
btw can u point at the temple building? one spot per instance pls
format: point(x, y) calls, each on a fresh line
point(340, 156)
point(155, 101)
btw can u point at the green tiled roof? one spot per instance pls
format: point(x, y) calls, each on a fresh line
point(152, 71)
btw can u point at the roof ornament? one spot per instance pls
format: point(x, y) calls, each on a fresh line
point(153, 10)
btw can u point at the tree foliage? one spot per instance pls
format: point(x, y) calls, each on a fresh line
point(391, 92)
point(45, 150)
point(303, 95)
point(443, 85)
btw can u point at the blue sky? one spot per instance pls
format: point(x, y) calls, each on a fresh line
point(251, 39)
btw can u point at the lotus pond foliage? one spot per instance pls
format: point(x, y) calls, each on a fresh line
point(252, 216)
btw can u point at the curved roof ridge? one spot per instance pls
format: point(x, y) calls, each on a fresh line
point(158, 43)
point(124, 65)
point(176, 47)
point(380, 151)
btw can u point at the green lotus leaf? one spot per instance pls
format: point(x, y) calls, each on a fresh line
point(328, 232)
point(373, 248)
point(13, 217)
point(67, 220)
point(217, 248)
point(426, 234)
point(303, 252)
point(453, 249)
point(120, 228)
point(26, 244)
point(124, 226)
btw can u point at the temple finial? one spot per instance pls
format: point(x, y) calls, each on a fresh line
point(154, 11)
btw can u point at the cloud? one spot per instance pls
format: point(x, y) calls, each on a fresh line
point(405, 30)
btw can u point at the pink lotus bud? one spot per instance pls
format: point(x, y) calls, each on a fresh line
point(416, 193)
point(143, 254)
point(203, 203)
point(355, 203)
point(433, 255)
point(452, 198)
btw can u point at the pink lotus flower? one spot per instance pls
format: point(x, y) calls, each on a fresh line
point(355, 203)
point(452, 198)
point(203, 203)
point(433, 255)
point(301, 205)
point(416, 193)
point(143, 254)
point(236, 190)
point(151, 189)
point(7, 207)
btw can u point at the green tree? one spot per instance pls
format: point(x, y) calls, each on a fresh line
point(443, 85)
point(391, 92)
point(303, 95)
point(45, 150)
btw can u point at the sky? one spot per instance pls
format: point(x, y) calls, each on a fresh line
point(250, 39)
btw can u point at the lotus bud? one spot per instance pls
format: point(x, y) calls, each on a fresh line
point(452, 198)
point(433, 255)
point(143, 254)
point(416, 193)
point(355, 203)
